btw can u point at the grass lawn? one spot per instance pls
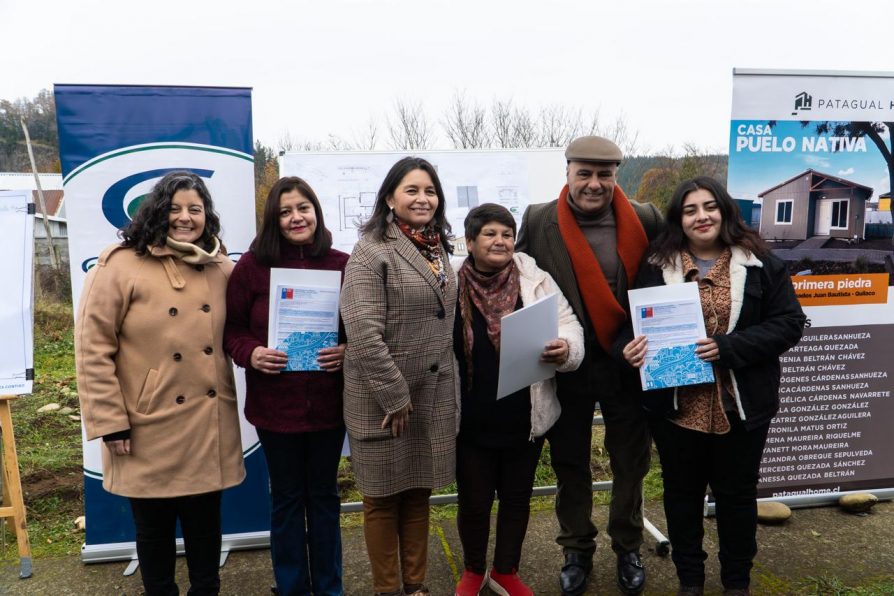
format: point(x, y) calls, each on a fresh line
point(49, 450)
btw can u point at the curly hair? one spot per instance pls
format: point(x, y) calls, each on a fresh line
point(149, 227)
point(733, 231)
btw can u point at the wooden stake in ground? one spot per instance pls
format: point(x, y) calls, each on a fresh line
point(13, 485)
point(54, 255)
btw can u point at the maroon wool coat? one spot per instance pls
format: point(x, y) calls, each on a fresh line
point(290, 402)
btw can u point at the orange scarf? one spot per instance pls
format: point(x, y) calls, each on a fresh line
point(606, 313)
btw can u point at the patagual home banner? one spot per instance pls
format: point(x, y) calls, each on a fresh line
point(813, 152)
point(115, 143)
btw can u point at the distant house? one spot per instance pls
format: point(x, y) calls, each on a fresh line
point(55, 207)
point(814, 204)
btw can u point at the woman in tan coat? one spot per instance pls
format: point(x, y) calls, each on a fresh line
point(398, 304)
point(155, 383)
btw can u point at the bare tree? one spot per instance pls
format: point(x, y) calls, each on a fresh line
point(466, 123)
point(367, 139)
point(524, 129)
point(501, 123)
point(471, 125)
point(408, 126)
point(336, 143)
point(559, 124)
point(623, 136)
point(286, 142)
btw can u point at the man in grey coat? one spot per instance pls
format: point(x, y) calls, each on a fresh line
point(591, 240)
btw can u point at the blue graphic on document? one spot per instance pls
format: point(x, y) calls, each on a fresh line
point(675, 366)
point(302, 348)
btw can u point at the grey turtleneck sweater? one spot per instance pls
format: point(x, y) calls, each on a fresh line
point(601, 233)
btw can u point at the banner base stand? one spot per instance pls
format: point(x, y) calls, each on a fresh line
point(127, 551)
point(814, 500)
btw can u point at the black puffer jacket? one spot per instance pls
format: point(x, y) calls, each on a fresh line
point(766, 320)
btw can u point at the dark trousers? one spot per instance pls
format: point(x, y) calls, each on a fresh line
point(156, 525)
point(629, 449)
point(305, 537)
point(480, 471)
point(690, 461)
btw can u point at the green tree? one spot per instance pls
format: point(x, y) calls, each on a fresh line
point(39, 114)
point(266, 174)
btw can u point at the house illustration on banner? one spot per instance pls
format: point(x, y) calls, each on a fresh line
point(814, 204)
point(884, 202)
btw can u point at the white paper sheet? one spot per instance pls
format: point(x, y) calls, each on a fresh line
point(303, 314)
point(16, 323)
point(523, 335)
point(671, 319)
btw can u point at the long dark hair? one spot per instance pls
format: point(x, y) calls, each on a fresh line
point(267, 243)
point(378, 222)
point(733, 231)
point(149, 227)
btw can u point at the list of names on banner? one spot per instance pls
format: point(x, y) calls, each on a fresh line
point(835, 399)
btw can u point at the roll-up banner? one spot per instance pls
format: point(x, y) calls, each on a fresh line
point(115, 143)
point(812, 151)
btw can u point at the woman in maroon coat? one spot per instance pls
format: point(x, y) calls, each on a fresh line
point(298, 415)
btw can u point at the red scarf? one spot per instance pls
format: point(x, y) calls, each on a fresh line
point(606, 313)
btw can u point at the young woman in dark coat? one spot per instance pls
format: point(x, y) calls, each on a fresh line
point(714, 434)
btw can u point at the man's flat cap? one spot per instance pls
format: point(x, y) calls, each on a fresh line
point(593, 149)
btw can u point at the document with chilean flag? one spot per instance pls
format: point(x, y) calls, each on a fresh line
point(671, 319)
point(303, 314)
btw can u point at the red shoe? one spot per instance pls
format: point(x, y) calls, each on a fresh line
point(507, 584)
point(470, 583)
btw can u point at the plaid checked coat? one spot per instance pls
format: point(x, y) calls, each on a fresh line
point(400, 350)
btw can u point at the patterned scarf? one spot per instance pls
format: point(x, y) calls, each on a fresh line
point(495, 296)
point(428, 241)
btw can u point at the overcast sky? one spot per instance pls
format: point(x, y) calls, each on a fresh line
point(327, 66)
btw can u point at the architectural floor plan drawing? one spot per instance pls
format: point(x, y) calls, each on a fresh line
point(354, 209)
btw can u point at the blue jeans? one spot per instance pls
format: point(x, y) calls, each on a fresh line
point(305, 537)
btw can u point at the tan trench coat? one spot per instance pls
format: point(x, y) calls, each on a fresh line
point(149, 355)
point(400, 334)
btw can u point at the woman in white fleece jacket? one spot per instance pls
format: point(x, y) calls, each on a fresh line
point(499, 442)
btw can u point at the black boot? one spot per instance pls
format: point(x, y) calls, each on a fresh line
point(575, 573)
point(631, 573)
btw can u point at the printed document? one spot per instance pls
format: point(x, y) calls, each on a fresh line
point(671, 319)
point(303, 314)
point(523, 335)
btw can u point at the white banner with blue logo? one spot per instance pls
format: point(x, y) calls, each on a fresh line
point(115, 143)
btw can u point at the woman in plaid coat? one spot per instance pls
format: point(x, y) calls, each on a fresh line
point(400, 405)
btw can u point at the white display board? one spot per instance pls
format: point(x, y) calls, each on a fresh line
point(16, 271)
point(347, 183)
